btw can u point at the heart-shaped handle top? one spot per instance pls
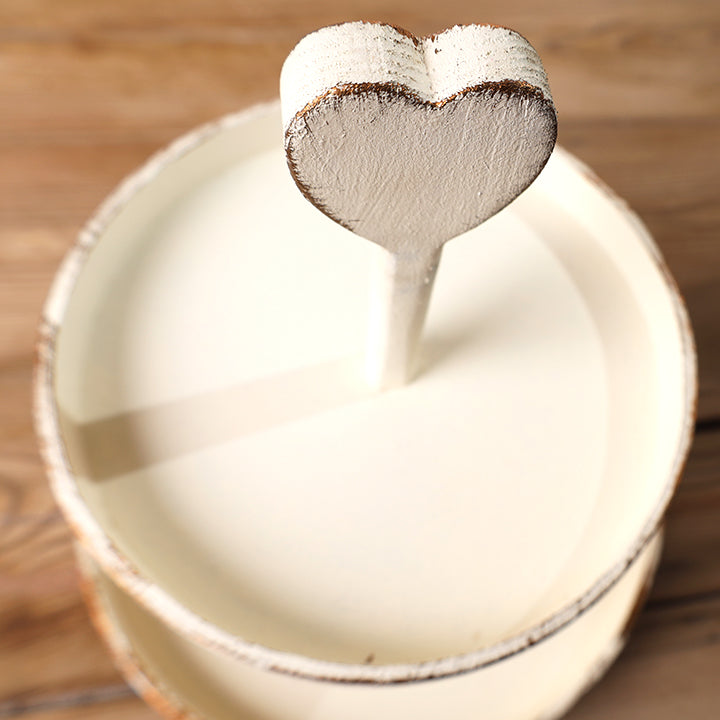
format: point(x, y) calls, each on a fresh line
point(409, 142)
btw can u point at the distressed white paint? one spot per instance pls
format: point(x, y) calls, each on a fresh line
point(408, 143)
point(171, 321)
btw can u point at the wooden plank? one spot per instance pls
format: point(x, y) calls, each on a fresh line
point(660, 167)
point(668, 671)
point(104, 91)
point(691, 559)
point(111, 703)
point(24, 493)
point(47, 192)
point(47, 646)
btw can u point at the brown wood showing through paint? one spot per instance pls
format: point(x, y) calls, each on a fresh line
point(89, 89)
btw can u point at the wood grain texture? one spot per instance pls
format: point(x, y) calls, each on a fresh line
point(89, 89)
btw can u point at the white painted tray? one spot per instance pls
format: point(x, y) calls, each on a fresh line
point(210, 439)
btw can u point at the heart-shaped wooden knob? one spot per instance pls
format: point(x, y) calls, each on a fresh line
point(397, 137)
point(409, 142)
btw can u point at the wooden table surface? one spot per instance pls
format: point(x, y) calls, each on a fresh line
point(89, 88)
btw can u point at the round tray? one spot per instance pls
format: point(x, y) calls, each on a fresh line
point(210, 440)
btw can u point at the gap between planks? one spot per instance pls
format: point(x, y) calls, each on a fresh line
point(63, 700)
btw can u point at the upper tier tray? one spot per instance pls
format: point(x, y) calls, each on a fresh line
point(211, 440)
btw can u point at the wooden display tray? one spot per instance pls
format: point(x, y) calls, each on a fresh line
point(215, 451)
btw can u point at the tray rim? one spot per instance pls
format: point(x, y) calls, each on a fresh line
point(187, 622)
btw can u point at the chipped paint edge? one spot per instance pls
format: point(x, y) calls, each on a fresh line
point(486, 90)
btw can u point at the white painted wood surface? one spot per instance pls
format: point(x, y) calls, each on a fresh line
point(590, 307)
point(409, 142)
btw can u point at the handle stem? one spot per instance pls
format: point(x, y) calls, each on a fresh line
point(400, 290)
